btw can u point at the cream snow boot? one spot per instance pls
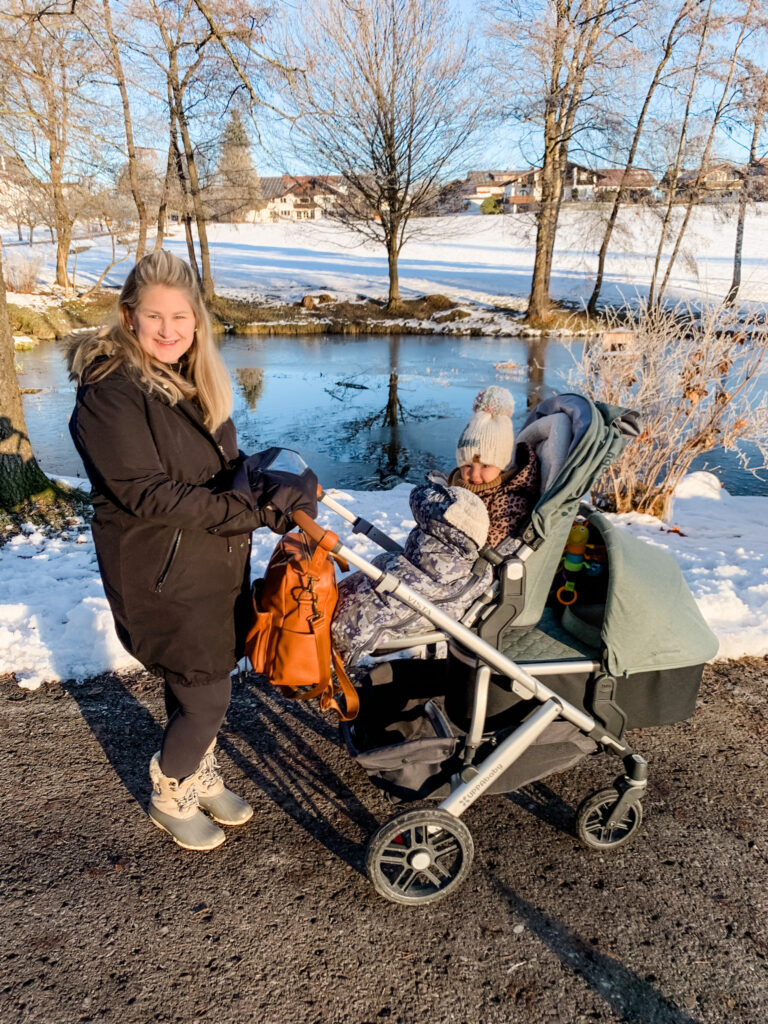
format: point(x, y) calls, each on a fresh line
point(173, 807)
point(213, 796)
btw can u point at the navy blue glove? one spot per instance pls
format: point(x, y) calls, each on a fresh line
point(276, 489)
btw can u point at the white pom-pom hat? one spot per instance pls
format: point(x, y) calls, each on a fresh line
point(489, 436)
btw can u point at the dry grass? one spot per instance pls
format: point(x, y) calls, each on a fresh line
point(694, 376)
point(21, 273)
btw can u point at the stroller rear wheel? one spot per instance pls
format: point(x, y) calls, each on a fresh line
point(596, 825)
point(420, 856)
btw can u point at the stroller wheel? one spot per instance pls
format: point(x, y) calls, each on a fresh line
point(419, 856)
point(596, 827)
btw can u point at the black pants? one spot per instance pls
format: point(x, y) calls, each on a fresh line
point(195, 714)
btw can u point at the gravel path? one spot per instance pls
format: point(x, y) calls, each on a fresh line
point(105, 920)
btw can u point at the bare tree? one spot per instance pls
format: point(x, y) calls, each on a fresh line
point(663, 70)
point(20, 475)
point(734, 30)
point(555, 55)
point(384, 100)
point(109, 41)
point(177, 42)
point(46, 111)
point(753, 107)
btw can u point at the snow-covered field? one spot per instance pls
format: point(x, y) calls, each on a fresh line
point(471, 259)
point(55, 622)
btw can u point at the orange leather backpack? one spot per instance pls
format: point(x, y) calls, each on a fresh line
point(290, 639)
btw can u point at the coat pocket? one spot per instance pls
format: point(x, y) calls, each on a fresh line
point(169, 560)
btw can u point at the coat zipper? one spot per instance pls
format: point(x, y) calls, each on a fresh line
point(169, 561)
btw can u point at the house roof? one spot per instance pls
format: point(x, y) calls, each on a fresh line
point(607, 177)
point(300, 184)
point(638, 177)
point(490, 177)
point(271, 188)
point(730, 169)
point(307, 186)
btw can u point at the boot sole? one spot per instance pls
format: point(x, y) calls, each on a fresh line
point(185, 846)
point(223, 821)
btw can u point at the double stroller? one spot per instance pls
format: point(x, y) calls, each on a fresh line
point(525, 686)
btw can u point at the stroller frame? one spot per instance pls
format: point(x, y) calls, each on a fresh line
point(422, 854)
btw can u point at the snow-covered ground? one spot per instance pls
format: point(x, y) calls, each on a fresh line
point(471, 259)
point(55, 622)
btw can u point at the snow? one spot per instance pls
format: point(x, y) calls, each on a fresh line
point(55, 622)
point(485, 260)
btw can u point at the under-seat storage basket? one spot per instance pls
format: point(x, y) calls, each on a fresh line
point(401, 736)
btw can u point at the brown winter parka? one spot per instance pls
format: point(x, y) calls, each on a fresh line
point(172, 538)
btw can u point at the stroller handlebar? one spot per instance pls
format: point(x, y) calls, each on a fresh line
point(326, 538)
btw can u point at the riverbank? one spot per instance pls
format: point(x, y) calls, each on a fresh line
point(50, 319)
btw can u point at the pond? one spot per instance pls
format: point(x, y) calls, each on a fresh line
point(326, 396)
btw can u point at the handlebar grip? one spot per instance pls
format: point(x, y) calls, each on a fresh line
point(311, 528)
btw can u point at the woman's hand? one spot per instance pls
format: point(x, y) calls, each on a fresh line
point(286, 492)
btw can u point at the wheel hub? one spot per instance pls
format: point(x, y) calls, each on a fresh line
point(420, 859)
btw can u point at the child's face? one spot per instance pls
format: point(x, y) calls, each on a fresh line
point(479, 473)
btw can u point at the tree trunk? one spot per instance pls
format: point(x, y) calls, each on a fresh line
point(733, 291)
point(162, 211)
point(64, 227)
point(181, 173)
point(206, 280)
point(133, 171)
point(20, 475)
point(394, 282)
point(539, 305)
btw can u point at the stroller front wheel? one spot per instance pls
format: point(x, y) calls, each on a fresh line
point(598, 828)
point(419, 856)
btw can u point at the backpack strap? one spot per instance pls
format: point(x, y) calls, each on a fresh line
point(345, 687)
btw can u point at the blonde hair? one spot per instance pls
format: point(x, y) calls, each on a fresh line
point(205, 377)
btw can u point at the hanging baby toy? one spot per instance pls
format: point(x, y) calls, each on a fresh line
point(573, 562)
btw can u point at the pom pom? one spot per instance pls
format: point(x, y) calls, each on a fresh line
point(495, 401)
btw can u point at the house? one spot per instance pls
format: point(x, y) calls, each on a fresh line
point(757, 179)
point(297, 197)
point(481, 185)
point(714, 182)
point(601, 183)
point(522, 191)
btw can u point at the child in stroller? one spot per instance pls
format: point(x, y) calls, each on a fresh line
point(485, 499)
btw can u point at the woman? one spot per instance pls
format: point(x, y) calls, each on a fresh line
point(151, 424)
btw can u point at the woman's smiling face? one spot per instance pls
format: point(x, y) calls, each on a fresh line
point(164, 323)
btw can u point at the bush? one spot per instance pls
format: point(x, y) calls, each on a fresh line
point(491, 205)
point(20, 274)
point(694, 377)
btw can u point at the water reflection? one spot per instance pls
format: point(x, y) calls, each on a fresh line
point(537, 365)
point(251, 381)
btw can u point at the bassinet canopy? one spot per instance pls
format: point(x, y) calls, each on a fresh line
point(651, 618)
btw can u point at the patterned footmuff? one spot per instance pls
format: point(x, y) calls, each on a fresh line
point(440, 553)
